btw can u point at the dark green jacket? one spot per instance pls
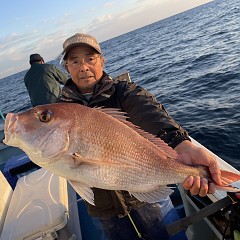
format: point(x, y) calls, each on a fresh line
point(42, 82)
point(144, 111)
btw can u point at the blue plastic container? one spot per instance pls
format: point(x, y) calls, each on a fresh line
point(17, 167)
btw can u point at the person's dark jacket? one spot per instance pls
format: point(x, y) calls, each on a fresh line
point(144, 111)
point(43, 83)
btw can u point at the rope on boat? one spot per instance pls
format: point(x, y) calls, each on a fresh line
point(2, 116)
point(135, 227)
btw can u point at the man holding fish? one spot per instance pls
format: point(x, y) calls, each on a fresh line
point(121, 165)
point(91, 86)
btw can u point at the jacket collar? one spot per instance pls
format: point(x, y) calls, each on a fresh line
point(102, 90)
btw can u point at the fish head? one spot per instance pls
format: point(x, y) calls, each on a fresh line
point(41, 132)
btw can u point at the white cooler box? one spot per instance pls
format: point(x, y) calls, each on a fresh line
point(43, 206)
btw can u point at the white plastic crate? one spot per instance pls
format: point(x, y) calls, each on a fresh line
point(42, 208)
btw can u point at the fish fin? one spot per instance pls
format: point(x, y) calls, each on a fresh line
point(114, 112)
point(78, 159)
point(121, 116)
point(154, 196)
point(83, 191)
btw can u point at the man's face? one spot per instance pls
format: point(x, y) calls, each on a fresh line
point(85, 66)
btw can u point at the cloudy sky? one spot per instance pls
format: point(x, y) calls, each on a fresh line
point(42, 26)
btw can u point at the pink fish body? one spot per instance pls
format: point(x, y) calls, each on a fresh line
point(97, 148)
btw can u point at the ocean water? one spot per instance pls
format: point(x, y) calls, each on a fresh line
point(190, 62)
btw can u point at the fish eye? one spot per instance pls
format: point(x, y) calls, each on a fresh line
point(45, 116)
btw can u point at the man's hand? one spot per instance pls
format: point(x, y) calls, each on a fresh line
point(192, 155)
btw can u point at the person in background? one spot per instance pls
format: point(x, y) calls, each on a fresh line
point(43, 81)
point(122, 216)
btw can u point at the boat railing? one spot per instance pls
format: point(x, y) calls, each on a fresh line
point(122, 76)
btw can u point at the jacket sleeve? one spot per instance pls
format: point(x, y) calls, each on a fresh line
point(60, 76)
point(145, 112)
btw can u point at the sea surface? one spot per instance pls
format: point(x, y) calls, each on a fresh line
point(190, 62)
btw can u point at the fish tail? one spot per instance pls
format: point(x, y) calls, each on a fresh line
point(229, 177)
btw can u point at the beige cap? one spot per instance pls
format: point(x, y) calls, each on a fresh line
point(78, 39)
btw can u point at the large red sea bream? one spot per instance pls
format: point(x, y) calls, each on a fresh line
point(99, 148)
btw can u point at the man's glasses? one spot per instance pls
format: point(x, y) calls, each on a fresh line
point(88, 60)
